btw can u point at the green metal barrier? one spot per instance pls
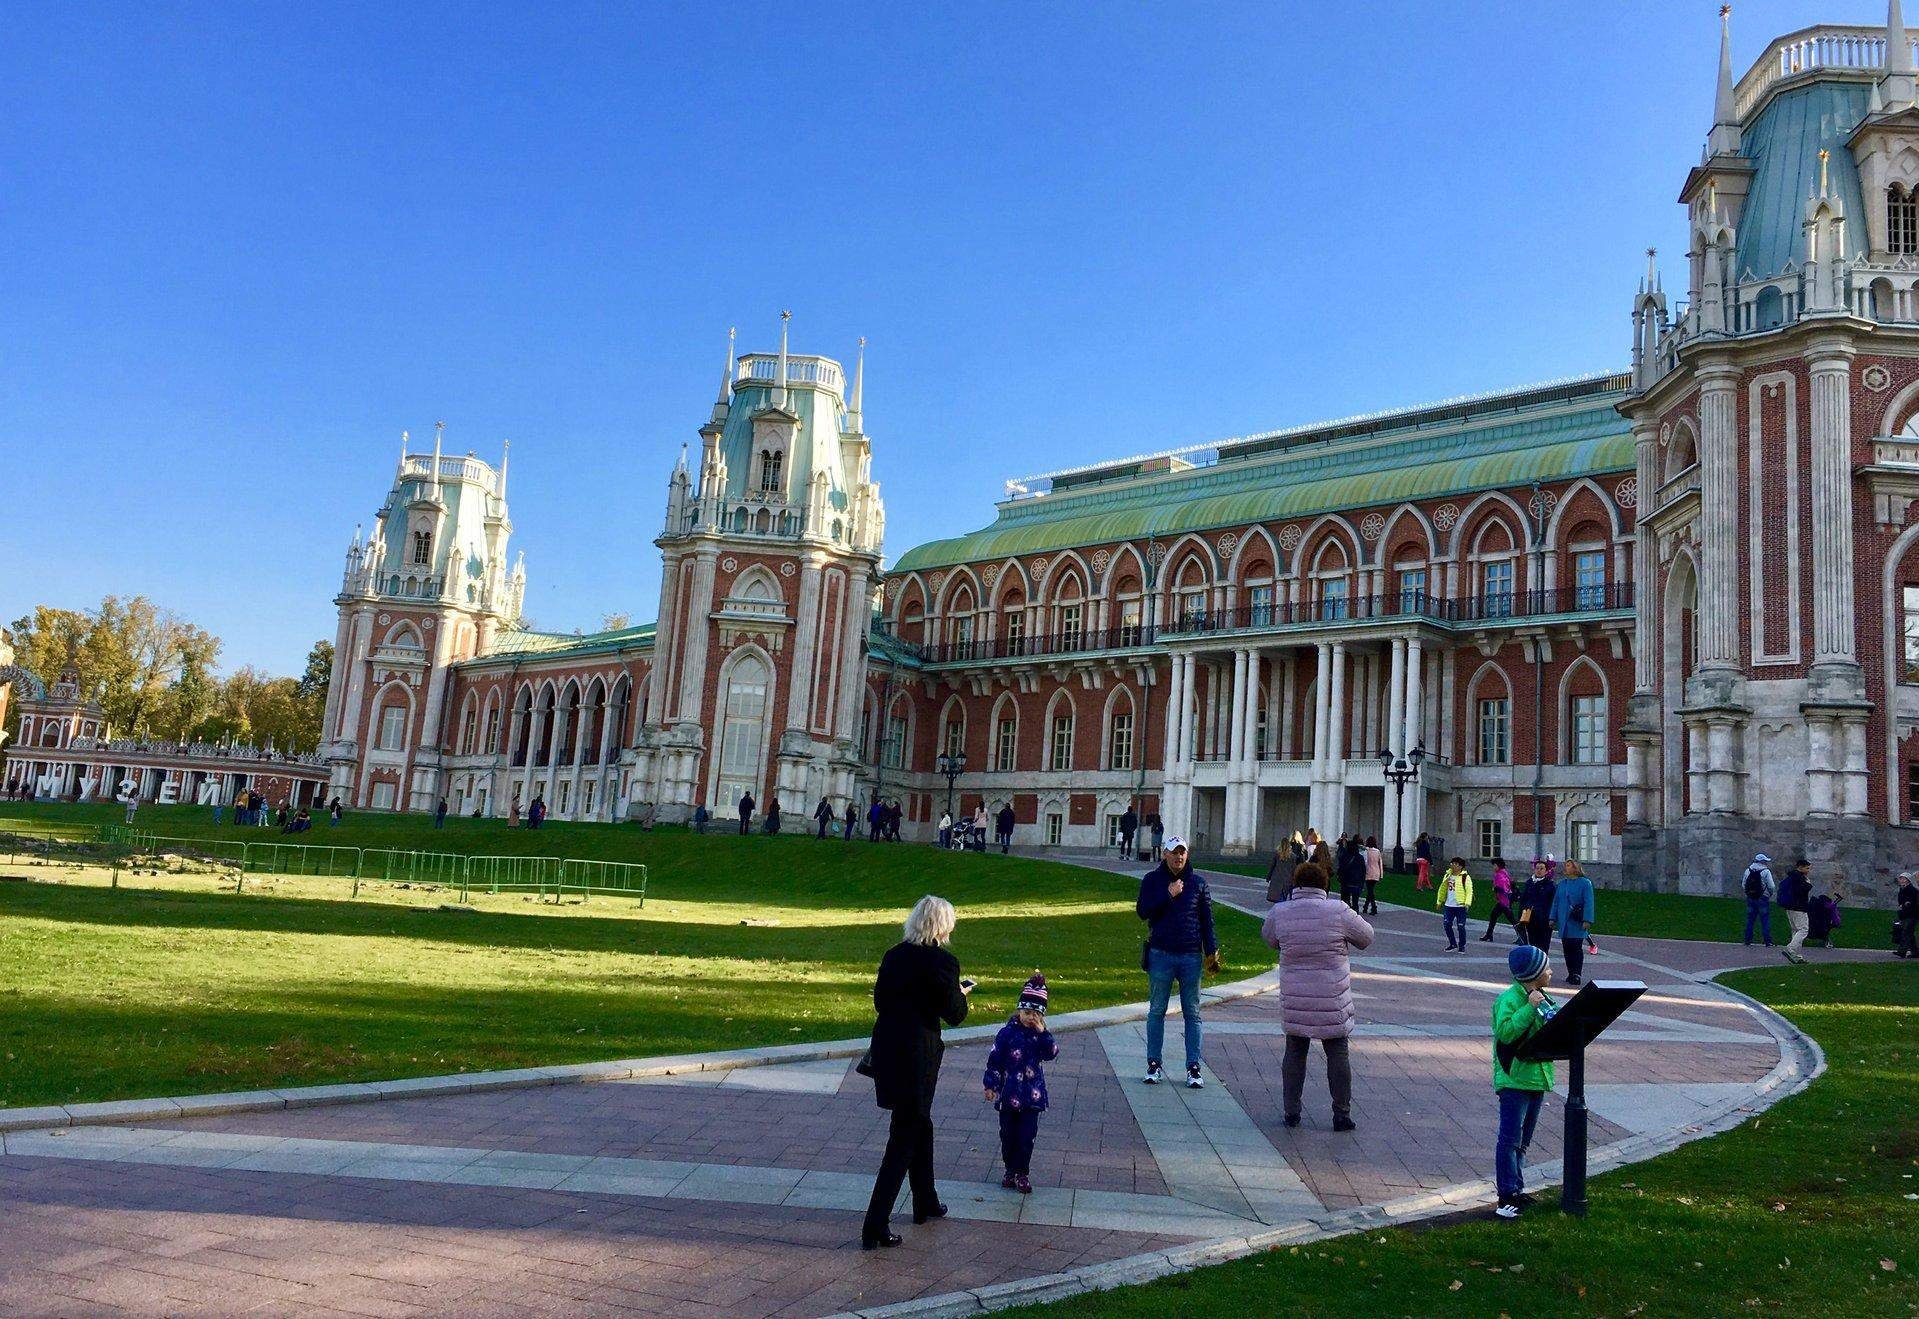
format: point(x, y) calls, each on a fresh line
point(511, 874)
point(396, 866)
point(323, 859)
point(621, 877)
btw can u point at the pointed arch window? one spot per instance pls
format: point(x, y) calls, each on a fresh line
point(1902, 221)
point(423, 547)
point(772, 470)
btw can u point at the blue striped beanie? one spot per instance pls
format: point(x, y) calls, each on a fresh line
point(1526, 962)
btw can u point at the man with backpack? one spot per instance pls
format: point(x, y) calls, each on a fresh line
point(1795, 899)
point(1759, 889)
point(1906, 922)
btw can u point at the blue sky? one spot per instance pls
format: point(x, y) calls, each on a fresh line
point(242, 248)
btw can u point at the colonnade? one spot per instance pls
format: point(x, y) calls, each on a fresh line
point(1238, 708)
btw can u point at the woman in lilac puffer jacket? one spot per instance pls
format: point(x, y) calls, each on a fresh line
point(1313, 933)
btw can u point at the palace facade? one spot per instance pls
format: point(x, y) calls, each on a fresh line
point(1655, 619)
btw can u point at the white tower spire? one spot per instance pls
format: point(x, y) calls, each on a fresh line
point(439, 435)
point(786, 318)
point(1724, 138)
point(405, 439)
point(855, 418)
point(1898, 85)
point(506, 452)
point(726, 381)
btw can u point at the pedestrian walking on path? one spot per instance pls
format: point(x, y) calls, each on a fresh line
point(852, 819)
point(1003, 825)
point(1286, 860)
point(1536, 905)
point(1352, 871)
point(1573, 917)
point(1175, 902)
point(1455, 903)
point(1905, 925)
point(1758, 887)
point(1015, 1082)
point(919, 987)
point(1520, 1085)
point(1375, 871)
point(1158, 830)
point(823, 814)
point(1502, 902)
point(1795, 898)
point(1128, 826)
point(946, 830)
point(746, 812)
point(1423, 861)
point(1313, 935)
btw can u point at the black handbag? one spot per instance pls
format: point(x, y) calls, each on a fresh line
point(865, 1065)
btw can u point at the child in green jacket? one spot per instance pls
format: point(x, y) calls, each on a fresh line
point(1520, 1085)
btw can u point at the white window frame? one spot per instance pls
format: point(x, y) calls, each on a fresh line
point(1493, 730)
point(1587, 716)
point(1006, 746)
point(1061, 741)
point(1119, 748)
point(1492, 838)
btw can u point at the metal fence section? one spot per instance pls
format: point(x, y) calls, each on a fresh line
point(627, 878)
point(397, 866)
point(512, 874)
point(323, 859)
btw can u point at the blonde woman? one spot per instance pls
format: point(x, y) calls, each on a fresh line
point(919, 987)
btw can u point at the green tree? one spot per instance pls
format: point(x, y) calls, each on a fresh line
point(150, 669)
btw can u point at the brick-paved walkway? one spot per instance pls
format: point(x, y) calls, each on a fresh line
point(738, 1193)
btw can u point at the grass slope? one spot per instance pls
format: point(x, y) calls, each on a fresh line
point(1811, 1208)
point(178, 986)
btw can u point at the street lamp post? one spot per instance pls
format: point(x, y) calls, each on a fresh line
point(952, 764)
point(1399, 771)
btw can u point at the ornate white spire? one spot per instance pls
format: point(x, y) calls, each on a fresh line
point(439, 435)
point(721, 403)
point(786, 318)
point(1724, 138)
point(1897, 88)
point(405, 439)
point(855, 420)
point(506, 452)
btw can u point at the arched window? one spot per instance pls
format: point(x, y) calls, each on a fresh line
point(743, 736)
point(772, 470)
point(1059, 735)
point(423, 547)
point(1902, 221)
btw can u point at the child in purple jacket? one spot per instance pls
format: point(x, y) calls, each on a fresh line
point(1015, 1081)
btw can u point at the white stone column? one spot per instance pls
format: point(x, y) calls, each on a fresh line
point(655, 710)
point(1696, 795)
point(1175, 697)
point(698, 625)
point(1719, 518)
point(1236, 725)
point(1645, 619)
point(356, 678)
point(1396, 741)
point(853, 627)
point(1287, 732)
point(1322, 735)
point(1723, 782)
point(1336, 759)
point(1412, 733)
point(806, 623)
point(1833, 634)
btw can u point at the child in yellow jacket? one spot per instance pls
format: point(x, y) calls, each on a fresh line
point(1455, 902)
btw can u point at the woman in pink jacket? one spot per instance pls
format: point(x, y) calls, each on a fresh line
point(1313, 933)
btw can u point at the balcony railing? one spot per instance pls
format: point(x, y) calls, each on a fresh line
point(1477, 609)
point(1041, 646)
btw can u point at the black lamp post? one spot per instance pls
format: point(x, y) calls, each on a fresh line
point(1400, 771)
point(952, 764)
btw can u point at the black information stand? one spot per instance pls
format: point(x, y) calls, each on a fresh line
point(1578, 1022)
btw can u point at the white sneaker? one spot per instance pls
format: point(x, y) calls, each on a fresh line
point(1194, 1081)
point(1153, 1074)
point(1506, 1210)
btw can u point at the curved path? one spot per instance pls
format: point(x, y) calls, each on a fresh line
point(733, 1189)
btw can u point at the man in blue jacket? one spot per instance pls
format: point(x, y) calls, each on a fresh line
point(1795, 899)
point(1174, 900)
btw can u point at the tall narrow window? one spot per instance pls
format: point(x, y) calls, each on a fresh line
point(955, 737)
point(1589, 730)
point(1589, 579)
point(896, 742)
point(1582, 839)
point(1259, 605)
point(492, 744)
point(1495, 731)
point(772, 470)
point(1332, 599)
point(469, 728)
point(1902, 221)
point(743, 734)
point(1069, 626)
point(423, 547)
point(1005, 745)
point(1129, 624)
point(1063, 741)
point(393, 728)
point(1412, 590)
point(1016, 632)
point(1496, 589)
point(962, 633)
point(1492, 839)
point(1120, 746)
point(1909, 599)
point(1192, 609)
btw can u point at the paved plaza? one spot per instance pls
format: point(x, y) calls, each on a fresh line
point(738, 1190)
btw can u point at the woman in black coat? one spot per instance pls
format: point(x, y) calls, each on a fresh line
point(1536, 905)
point(918, 987)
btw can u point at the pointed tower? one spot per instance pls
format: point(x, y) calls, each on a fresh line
point(1715, 196)
point(766, 584)
point(428, 588)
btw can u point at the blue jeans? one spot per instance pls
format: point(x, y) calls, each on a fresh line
point(1456, 918)
point(1759, 909)
point(1162, 968)
point(1518, 1115)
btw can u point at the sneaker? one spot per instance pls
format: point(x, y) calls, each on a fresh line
point(1194, 1081)
point(1507, 1209)
point(1025, 1186)
point(1154, 1074)
point(1009, 1182)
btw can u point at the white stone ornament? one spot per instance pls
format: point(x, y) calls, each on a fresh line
point(939, 580)
point(1228, 543)
point(990, 573)
point(1289, 537)
point(786, 569)
point(1446, 516)
point(1626, 493)
point(1039, 568)
point(1100, 559)
point(385, 619)
point(1373, 527)
point(1875, 378)
point(729, 564)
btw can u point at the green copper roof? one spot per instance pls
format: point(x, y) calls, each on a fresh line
point(566, 645)
point(1784, 144)
point(1550, 442)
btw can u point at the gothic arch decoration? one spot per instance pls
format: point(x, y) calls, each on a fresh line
point(1901, 415)
point(468, 724)
point(1391, 542)
point(1489, 681)
point(1682, 450)
point(489, 721)
point(743, 710)
point(393, 692)
point(1125, 558)
point(1011, 576)
point(961, 579)
point(1257, 538)
point(1466, 530)
point(1581, 666)
point(1189, 549)
point(1005, 708)
point(1062, 702)
point(1325, 529)
point(403, 636)
point(953, 712)
point(1571, 500)
point(1066, 566)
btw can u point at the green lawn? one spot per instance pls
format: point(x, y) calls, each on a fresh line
point(1648, 915)
point(169, 985)
point(1811, 1208)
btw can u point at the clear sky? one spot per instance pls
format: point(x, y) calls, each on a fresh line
point(243, 247)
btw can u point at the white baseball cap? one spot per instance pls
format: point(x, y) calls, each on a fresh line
point(1174, 843)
